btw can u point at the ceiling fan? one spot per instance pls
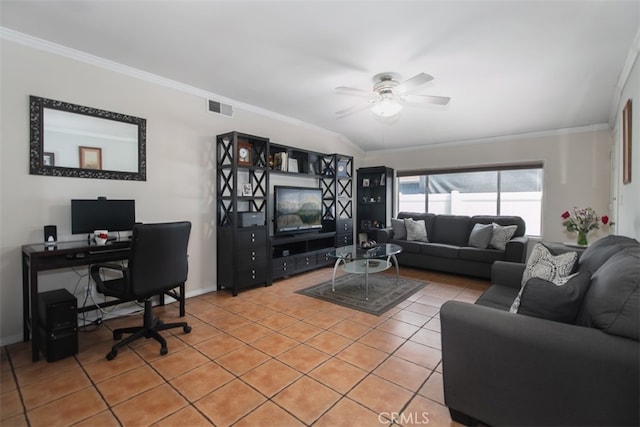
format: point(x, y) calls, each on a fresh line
point(389, 95)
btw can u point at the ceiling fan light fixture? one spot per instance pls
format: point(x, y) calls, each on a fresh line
point(386, 107)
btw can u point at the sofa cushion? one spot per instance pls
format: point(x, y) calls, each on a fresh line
point(601, 250)
point(544, 299)
point(480, 236)
point(500, 297)
point(439, 250)
point(481, 255)
point(501, 235)
point(451, 230)
point(409, 246)
point(543, 265)
point(416, 230)
point(612, 303)
point(399, 229)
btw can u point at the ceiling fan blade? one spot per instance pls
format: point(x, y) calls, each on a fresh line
point(414, 82)
point(354, 109)
point(426, 99)
point(344, 90)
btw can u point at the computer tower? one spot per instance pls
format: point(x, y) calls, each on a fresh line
point(58, 328)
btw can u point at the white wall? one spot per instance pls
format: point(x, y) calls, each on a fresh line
point(180, 164)
point(626, 197)
point(576, 168)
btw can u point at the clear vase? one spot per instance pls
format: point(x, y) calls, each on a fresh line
point(582, 238)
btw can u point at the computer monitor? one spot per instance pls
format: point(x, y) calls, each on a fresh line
point(102, 214)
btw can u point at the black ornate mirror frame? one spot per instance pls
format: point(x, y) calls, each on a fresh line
point(36, 144)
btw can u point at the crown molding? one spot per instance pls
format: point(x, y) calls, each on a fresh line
point(67, 52)
point(513, 137)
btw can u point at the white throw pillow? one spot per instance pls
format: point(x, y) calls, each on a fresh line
point(416, 230)
point(543, 265)
point(501, 235)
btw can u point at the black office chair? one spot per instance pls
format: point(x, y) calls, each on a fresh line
point(157, 265)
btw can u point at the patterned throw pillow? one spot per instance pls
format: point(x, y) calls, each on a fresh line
point(543, 265)
point(416, 230)
point(501, 235)
point(480, 236)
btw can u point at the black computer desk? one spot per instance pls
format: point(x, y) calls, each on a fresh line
point(41, 257)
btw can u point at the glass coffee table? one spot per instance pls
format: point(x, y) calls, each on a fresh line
point(359, 260)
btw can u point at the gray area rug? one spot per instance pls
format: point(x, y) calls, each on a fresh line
point(384, 293)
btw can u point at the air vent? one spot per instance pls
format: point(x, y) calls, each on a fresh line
point(220, 108)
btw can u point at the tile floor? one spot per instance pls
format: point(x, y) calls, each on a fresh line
point(268, 357)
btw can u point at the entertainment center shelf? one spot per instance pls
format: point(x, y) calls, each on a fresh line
point(252, 250)
point(298, 253)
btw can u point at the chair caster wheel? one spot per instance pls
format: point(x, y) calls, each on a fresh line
point(159, 322)
point(117, 336)
point(112, 354)
point(187, 329)
point(163, 351)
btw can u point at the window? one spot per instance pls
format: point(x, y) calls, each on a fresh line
point(504, 191)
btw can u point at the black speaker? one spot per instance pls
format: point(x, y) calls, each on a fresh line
point(58, 329)
point(50, 234)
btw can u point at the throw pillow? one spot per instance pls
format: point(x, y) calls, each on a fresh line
point(544, 299)
point(543, 265)
point(480, 236)
point(501, 235)
point(416, 230)
point(399, 229)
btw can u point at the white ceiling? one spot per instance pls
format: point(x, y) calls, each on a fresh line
point(509, 67)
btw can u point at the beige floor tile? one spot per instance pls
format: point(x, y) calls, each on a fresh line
point(433, 388)
point(150, 406)
point(229, 403)
point(329, 342)
point(177, 363)
point(403, 373)
point(201, 381)
point(381, 340)
point(54, 387)
point(242, 360)
point(380, 395)
point(69, 409)
point(303, 358)
point(428, 338)
point(362, 356)
point(269, 414)
point(271, 377)
point(419, 354)
point(338, 375)
point(187, 416)
point(128, 384)
point(306, 399)
point(347, 413)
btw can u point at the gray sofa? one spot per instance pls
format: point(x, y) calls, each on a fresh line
point(503, 368)
point(448, 248)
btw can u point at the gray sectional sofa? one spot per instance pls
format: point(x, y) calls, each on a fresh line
point(505, 368)
point(448, 246)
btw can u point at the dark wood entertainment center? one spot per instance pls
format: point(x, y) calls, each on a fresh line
point(248, 253)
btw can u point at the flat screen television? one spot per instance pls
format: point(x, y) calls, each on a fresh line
point(88, 215)
point(297, 209)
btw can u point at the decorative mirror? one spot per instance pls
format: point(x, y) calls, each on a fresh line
point(76, 141)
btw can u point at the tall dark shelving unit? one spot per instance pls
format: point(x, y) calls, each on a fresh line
point(242, 251)
point(375, 199)
point(249, 256)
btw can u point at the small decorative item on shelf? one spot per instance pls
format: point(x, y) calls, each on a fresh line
point(582, 220)
point(247, 190)
point(244, 153)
